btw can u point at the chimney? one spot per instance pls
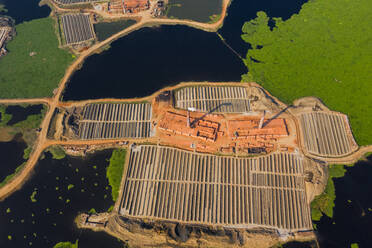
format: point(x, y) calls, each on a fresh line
point(262, 120)
point(188, 119)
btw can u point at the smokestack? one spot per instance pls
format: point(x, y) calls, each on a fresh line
point(188, 119)
point(262, 120)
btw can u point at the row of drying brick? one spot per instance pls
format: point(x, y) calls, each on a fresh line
point(77, 28)
point(74, 1)
point(170, 184)
point(116, 130)
point(216, 99)
point(216, 204)
point(326, 134)
point(166, 163)
point(109, 112)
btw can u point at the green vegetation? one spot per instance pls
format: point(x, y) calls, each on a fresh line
point(9, 177)
point(324, 51)
point(110, 209)
point(3, 8)
point(324, 203)
point(27, 152)
point(8, 210)
point(26, 127)
point(43, 64)
point(214, 18)
point(70, 186)
point(57, 152)
point(354, 245)
point(32, 121)
point(32, 197)
point(106, 29)
point(4, 118)
point(10, 237)
point(115, 171)
point(92, 211)
point(67, 245)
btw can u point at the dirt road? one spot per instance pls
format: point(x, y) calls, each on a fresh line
point(29, 101)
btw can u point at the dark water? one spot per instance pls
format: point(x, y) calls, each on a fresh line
point(11, 154)
point(241, 11)
point(50, 219)
point(151, 58)
point(296, 244)
point(20, 113)
point(195, 10)
point(106, 29)
point(352, 218)
point(25, 10)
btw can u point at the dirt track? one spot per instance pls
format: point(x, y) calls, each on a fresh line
point(31, 101)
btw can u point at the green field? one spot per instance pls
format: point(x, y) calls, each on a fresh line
point(106, 29)
point(324, 51)
point(324, 203)
point(196, 10)
point(67, 245)
point(25, 76)
point(115, 171)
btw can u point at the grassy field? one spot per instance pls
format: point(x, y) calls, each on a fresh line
point(4, 117)
point(115, 171)
point(57, 152)
point(26, 76)
point(324, 51)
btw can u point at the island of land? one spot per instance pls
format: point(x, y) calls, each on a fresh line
point(195, 160)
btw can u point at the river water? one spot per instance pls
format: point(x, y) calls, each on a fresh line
point(352, 215)
point(25, 10)
point(11, 154)
point(50, 219)
point(151, 58)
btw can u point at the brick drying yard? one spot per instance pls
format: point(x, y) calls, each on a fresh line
point(245, 165)
point(77, 28)
point(170, 184)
